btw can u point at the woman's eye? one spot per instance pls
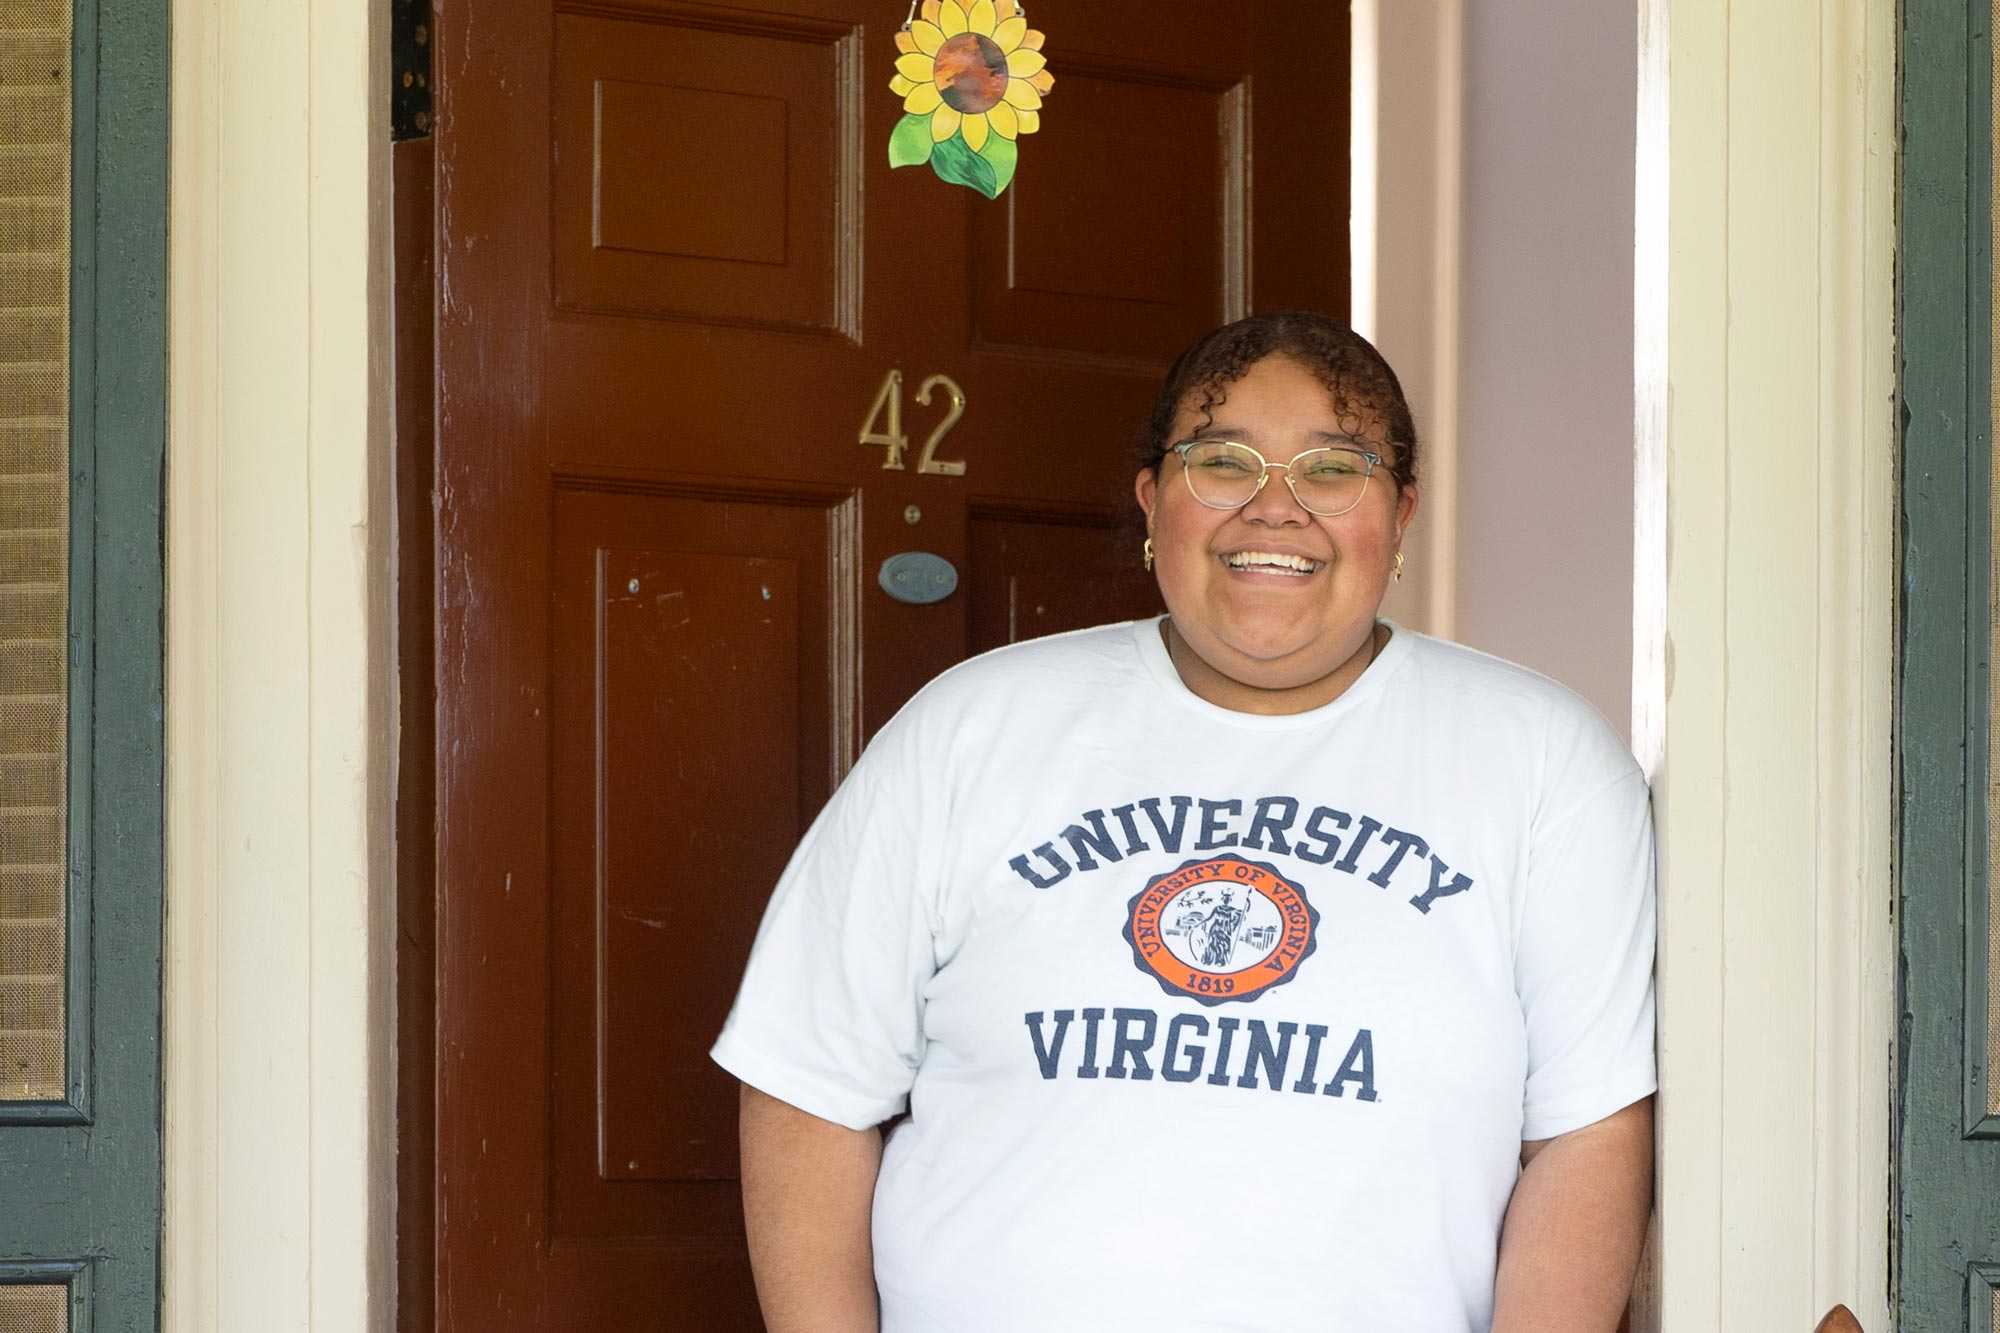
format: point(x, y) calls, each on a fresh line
point(1223, 465)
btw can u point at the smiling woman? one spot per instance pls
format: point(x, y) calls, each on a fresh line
point(1272, 593)
point(1089, 900)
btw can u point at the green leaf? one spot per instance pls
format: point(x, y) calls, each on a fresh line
point(954, 162)
point(910, 142)
point(1002, 154)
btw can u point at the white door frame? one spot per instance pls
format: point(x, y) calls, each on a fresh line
point(1763, 651)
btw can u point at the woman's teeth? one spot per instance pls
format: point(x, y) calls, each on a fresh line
point(1270, 562)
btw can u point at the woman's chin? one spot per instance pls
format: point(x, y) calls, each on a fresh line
point(1270, 661)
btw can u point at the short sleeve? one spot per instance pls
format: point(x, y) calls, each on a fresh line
point(1584, 960)
point(830, 1014)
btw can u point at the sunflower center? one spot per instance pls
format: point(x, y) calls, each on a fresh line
point(971, 72)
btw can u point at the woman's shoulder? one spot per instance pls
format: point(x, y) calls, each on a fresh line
point(1479, 696)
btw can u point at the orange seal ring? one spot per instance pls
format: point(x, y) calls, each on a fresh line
point(1221, 929)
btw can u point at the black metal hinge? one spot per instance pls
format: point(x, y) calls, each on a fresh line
point(410, 53)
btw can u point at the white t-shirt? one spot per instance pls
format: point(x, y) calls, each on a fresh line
point(1207, 1020)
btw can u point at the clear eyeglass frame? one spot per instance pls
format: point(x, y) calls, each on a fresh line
point(1370, 459)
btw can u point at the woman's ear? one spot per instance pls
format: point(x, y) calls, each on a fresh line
point(1406, 509)
point(1147, 487)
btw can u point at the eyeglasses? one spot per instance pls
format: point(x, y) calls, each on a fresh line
point(1223, 474)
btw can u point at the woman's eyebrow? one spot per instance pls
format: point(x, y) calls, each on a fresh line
point(1224, 431)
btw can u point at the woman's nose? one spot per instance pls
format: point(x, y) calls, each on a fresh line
point(1274, 502)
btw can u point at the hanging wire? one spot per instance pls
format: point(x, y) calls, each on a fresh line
point(1020, 11)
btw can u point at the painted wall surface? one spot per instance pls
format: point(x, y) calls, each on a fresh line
point(1544, 419)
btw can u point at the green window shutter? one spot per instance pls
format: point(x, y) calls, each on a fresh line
point(1947, 1154)
point(83, 274)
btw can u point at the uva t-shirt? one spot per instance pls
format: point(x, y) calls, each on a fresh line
point(1203, 1019)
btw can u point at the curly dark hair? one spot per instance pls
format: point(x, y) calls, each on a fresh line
point(1359, 381)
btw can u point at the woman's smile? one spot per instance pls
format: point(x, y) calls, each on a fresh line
point(1260, 563)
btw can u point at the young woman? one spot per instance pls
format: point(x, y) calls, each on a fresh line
point(1265, 966)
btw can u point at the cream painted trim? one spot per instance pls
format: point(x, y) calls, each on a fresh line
point(279, 1130)
point(1767, 448)
point(1408, 191)
point(1448, 168)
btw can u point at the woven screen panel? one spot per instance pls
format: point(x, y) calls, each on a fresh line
point(34, 557)
point(40, 1308)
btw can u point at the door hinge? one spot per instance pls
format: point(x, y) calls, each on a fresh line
point(410, 69)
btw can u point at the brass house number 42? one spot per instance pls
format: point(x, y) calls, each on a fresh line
point(889, 403)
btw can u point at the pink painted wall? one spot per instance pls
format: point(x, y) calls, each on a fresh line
point(1544, 482)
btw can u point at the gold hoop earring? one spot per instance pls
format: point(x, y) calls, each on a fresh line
point(1399, 567)
point(1147, 549)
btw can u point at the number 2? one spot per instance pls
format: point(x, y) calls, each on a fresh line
point(928, 461)
point(889, 402)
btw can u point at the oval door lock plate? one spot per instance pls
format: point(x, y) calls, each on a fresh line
point(918, 577)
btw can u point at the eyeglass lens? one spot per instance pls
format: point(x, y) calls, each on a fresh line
point(1224, 475)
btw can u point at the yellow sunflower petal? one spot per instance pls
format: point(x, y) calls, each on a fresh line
point(974, 126)
point(904, 42)
point(1032, 40)
point(927, 35)
point(1007, 36)
point(1020, 64)
point(1042, 82)
point(1005, 120)
point(901, 86)
point(979, 17)
point(944, 124)
point(952, 19)
point(916, 67)
point(1005, 9)
point(1022, 96)
point(1030, 120)
point(932, 10)
point(923, 99)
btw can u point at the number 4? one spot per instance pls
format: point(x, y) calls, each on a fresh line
point(891, 397)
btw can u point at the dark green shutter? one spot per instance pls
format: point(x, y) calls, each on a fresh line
point(1947, 1154)
point(80, 1172)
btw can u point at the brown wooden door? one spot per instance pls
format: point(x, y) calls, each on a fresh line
point(673, 269)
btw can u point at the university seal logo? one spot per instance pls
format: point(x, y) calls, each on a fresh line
point(1220, 929)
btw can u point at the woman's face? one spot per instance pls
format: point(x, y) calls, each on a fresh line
point(1254, 621)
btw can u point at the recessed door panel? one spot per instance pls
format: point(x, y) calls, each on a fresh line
point(1043, 571)
point(699, 170)
point(703, 680)
point(1127, 241)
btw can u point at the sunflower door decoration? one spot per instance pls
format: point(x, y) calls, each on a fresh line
point(972, 79)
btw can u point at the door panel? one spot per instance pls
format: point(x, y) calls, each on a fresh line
point(655, 120)
point(1132, 251)
point(703, 691)
point(1040, 569)
point(673, 271)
